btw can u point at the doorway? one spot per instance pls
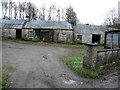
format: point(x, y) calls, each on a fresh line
point(96, 38)
point(47, 36)
point(18, 33)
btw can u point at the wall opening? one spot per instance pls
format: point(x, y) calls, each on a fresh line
point(79, 38)
point(44, 35)
point(47, 36)
point(18, 33)
point(96, 38)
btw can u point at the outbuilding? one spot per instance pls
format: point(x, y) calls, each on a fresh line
point(12, 28)
point(112, 39)
point(48, 31)
point(84, 33)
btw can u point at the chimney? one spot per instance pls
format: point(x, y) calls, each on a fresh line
point(27, 18)
point(87, 24)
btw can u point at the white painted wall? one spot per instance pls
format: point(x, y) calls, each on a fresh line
point(86, 38)
point(102, 38)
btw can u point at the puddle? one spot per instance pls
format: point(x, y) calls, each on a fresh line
point(69, 82)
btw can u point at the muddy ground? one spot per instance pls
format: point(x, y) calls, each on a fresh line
point(39, 67)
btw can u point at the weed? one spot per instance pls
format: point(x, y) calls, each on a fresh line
point(5, 82)
point(43, 43)
point(75, 62)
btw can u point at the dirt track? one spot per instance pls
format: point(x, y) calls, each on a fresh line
point(39, 67)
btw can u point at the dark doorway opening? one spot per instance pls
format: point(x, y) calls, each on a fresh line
point(18, 33)
point(47, 36)
point(96, 38)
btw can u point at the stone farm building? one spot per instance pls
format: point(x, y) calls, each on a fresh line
point(11, 28)
point(112, 39)
point(37, 30)
point(84, 33)
point(48, 31)
point(52, 31)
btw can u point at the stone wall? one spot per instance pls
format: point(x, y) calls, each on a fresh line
point(25, 33)
point(94, 58)
point(9, 33)
point(107, 56)
point(63, 36)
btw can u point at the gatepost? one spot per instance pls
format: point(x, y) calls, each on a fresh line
point(90, 55)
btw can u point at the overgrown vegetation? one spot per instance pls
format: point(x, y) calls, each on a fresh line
point(80, 46)
point(5, 80)
point(43, 43)
point(75, 62)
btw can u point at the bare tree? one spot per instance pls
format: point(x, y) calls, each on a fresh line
point(4, 9)
point(31, 10)
point(23, 7)
point(58, 14)
point(10, 8)
point(111, 17)
point(49, 15)
point(53, 11)
point(63, 14)
point(34, 12)
point(42, 12)
point(40, 16)
point(15, 10)
point(20, 10)
point(71, 16)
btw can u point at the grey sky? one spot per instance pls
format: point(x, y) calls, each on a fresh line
point(88, 11)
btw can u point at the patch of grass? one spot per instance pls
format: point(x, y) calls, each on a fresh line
point(80, 46)
point(75, 62)
point(43, 43)
point(100, 47)
point(66, 45)
point(5, 80)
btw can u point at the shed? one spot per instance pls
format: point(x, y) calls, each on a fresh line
point(12, 28)
point(112, 39)
point(89, 33)
point(49, 31)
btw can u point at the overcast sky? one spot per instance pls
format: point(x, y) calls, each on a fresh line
point(88, 11)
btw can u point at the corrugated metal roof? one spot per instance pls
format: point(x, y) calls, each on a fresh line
point(11, 24)
point(37, 24)
point(89, 29)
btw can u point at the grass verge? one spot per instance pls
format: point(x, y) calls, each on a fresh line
point(43, 43)
point(5, 80)
point(75, 62)
point(80, 46)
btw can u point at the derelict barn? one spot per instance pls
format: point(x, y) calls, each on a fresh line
point(12, 28)
point(112, 39)
point(89, 33)
point(48, 31)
